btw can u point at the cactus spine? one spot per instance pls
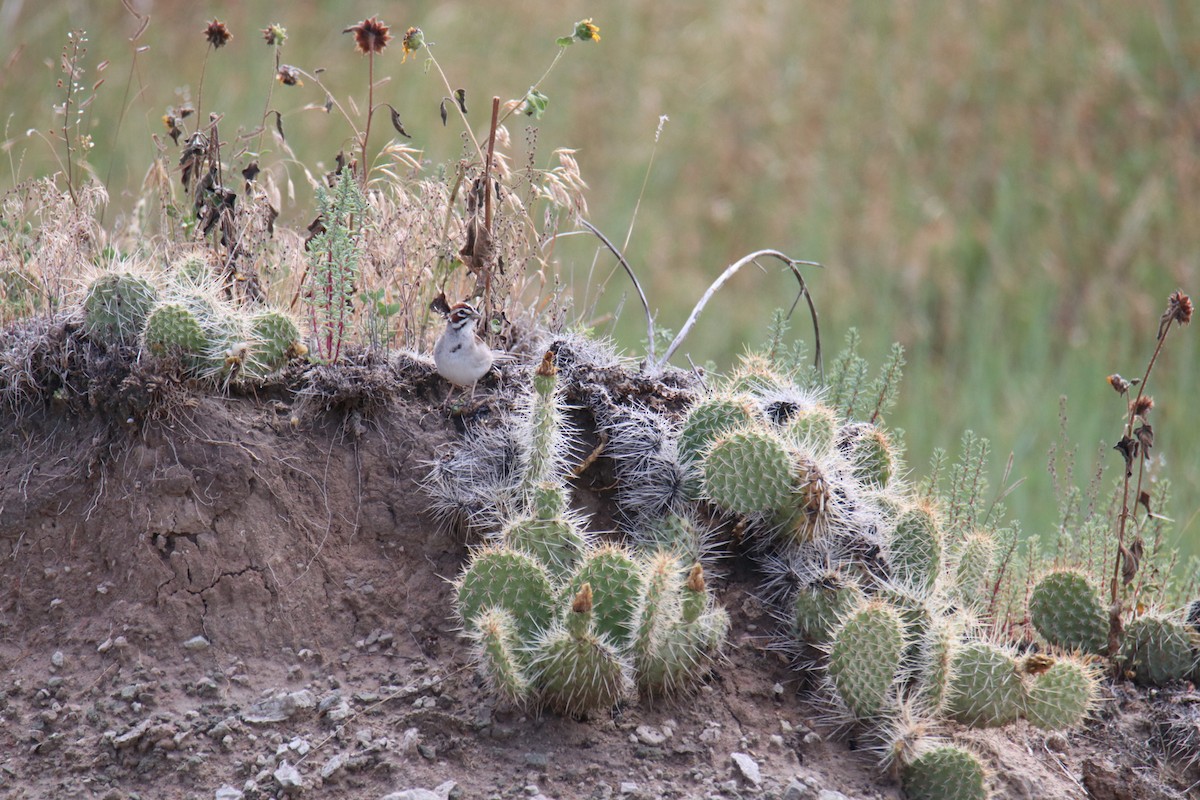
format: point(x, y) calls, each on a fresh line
point(985, 689)
point(1158, 650)
point(748, 471)
point(115, 307)
point(915, 549)
point(1061, 695)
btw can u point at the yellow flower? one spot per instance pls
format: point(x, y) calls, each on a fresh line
point(587, 31)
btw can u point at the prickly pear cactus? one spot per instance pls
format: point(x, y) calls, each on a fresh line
point(1060, 695)
point(275, 337)
point(115, 307)
point(711, 417)
point(577, 670)
point(818, 607)
point(682, 649)
point(1065, 608)
point(508, 579)
point(973, 574)
point(945, 772)
point(986, 690)
point(498, 652)
point(871, 453)
point(192, 271)
point(172, 329)
point(816, 426)
point(616, 581)
point(748, 471)
point(558, 542)
point(915, 548)
point(865, 656)
point(1158, 650)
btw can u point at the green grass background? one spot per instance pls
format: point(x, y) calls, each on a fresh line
point(1010, 189)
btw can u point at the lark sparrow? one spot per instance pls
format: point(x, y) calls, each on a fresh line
point(460, 356)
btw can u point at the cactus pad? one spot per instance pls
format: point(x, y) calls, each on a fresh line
point(865, 656)
point(915, 548)
point(508, 579)
point(986, 690)
point(945, 772)
point(1158, 650)
point(172, 329)
point(817, 608)
point(711, 417)
point(115, 307)
point(1061, 696)
point(748, 472)
point(616, 582)
point(1065, 608)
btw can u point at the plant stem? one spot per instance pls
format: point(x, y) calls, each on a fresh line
point(450, 91)
point(370, 112)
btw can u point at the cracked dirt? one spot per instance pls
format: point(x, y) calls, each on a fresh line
point(231, 602)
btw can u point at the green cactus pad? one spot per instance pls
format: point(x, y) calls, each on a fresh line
point(575, 669)
point(674, 534)
point(172, 329)
point(711, 417)
point(986, 690)
point(748, 472)
point(872, 455)
point(1061, 696)
point(193, 270)
point(274, 335)
point(915, 548)
point(557, 543)
point(115, 307)
point(658, 606)
point(1065, 609)
point(973, 575)
point(818, 607)
point(935, 660)
point(865, 656)
point(944, 772)
point(498, 652)
point(683, 654)
point(1157, 650)
point(508, 579)
point(814, 427)
point(616, 581)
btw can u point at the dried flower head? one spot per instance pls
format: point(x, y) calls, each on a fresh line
point(587, 31)
point(217, 34)
point(582, 604)
point(1140, 406)
point(289, 75)
point(370, 35)
point(275, 34)
point(1179, 307)
point(414, 40)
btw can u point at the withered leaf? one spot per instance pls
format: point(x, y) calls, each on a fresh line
point(279, 125)
point(251, 172)
point(442, 111)
point(315, 229)
point(1144, 500)
point(397, 124)
point(1145, 437)
point(328, 100)
point(1128, 448)
point(440, 305)
point(460, 97)
point(1131, 560)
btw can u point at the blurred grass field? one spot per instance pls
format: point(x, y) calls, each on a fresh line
point(1009, 189)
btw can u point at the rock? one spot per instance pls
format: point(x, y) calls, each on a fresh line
point(748, 768)
point(408, 742)
point(711, 733)
point(279, 708)
point(288, 777)
point(58, 659)
point(228, 792)
point(829, 794)
point(132, 736)
point(333, 765)
point(413, 794)
point(628, 788)
point(196, 643)
point(538, 760)
point(650, 735)
point(447, 790)
point(796, 790)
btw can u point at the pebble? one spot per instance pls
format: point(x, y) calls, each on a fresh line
point(650, 735)
point(408, 742)
point(279, 708)
point(748, 768)
point(58, 659)
point(628, 787)
point(228, 792)
point(538, 760)
point(413, 794)
point(712, 733)
point(796, 790)
point(288, 777)
point(829, 794)
point(333, 765)
point(1056, 742)
point(196, 643)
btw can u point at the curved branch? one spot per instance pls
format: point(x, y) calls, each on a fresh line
point(636, 284)
point(729, 272)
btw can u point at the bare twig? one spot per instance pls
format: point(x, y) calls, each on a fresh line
point(729, 272)
point(633, 277)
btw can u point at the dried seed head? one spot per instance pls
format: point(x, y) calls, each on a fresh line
point(289, 75)
point(547, 369)
point(1140, 406)
point(370, 35)
point(414, 40)
point(217, 34)
point(695, 579)
point(1179, 306)
point(1121, 385)
point(275, 34)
